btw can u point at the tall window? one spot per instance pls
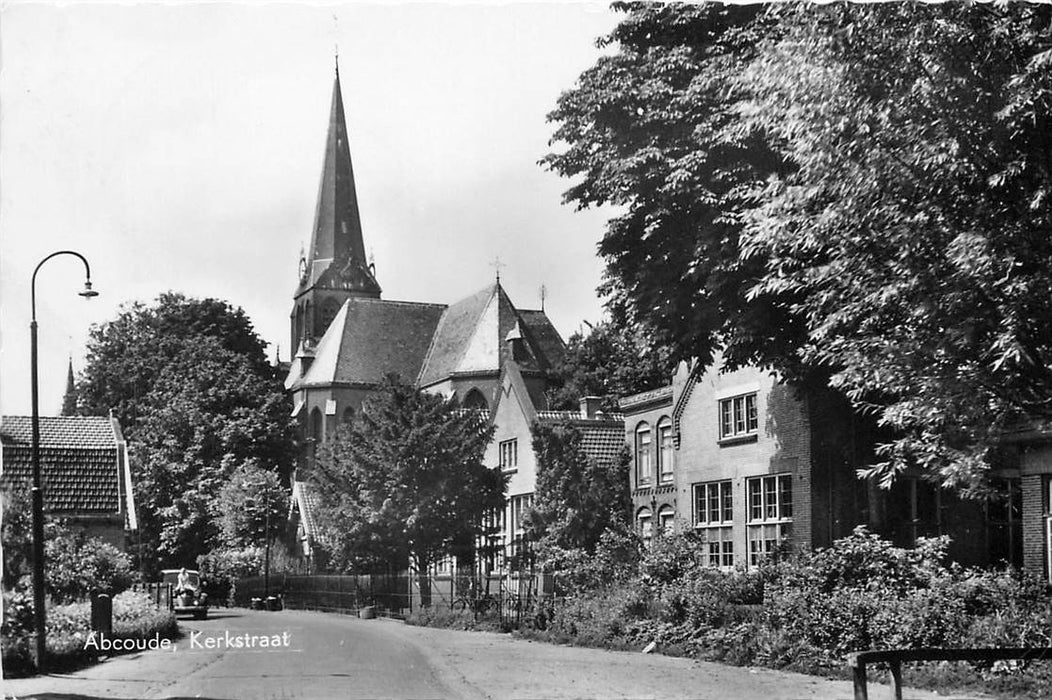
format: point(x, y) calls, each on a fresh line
point(664, 431)
point(645, 525)
point(642, 454)
point(713, 518)
point(508, 451)
point(738, 416)
point(316, 432)
point(518, 506)
point(1004, 522)
point(770, 514)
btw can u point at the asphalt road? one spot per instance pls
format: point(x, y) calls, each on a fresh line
point(241, 654)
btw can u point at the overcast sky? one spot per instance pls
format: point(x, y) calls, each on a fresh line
point(179, 147)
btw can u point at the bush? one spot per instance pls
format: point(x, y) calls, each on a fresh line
point(78, 565)
point(68, 627)
point(222, 569)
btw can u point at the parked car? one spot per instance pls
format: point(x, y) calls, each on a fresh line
point(188, 597)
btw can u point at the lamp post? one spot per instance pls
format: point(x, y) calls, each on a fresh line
point(38, 492)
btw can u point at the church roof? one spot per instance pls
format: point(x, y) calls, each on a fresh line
point(336, 258)
point(370, 338)
point(82, 462)
point(471, 337)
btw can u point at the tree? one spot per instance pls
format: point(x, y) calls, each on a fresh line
point(405, 480)
point(611, 361)
point(851, 195)
point(190, 382)
point(577, 498)
point(251, 507)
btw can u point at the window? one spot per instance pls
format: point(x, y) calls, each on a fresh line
point(666, 520)
point(509, 454)
point(770, 514)
point(475, 400)
point(1004, 513)
point(913, 510)
point(665, 450)
point(645, 525)
point(518, 506)
point(738, 416)
point(713, 518)
point(642, 454)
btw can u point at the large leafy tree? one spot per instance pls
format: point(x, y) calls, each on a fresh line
point(577, 498)
point(611, 360)
point(850, 194)
point(406, 479)
point(197, 400)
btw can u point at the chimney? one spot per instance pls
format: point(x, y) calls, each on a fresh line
point(590, 406)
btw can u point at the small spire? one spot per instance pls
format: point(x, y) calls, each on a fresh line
point(497, 264)
point(544, 294)
point(69, 401)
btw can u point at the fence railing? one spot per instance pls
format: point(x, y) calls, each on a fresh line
point(397, 595)
point(160, 593)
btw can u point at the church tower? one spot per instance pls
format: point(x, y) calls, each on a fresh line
point(335, 268)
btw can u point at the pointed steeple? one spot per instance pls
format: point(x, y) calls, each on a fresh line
point(336, 258)
point(69, 401)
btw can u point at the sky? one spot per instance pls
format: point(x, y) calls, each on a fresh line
point(179, 147)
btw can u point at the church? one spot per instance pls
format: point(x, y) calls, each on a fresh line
point(347, 337)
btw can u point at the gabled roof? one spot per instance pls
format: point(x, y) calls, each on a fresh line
point(336, 258)
point(370, 338)
point(602, 438)
point(82, 460)
point(473, 334)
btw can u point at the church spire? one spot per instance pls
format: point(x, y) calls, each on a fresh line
point(69, 401)
point(336, 258)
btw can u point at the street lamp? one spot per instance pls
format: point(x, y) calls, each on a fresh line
point(38, 492)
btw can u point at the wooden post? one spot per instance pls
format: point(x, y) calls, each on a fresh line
point(860, 681)
point(896, 680)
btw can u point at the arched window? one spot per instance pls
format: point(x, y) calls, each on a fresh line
point(476, 400)
point(666, 520)
point(329, 309)
point(298, 330)
point(348, 415)
point(644, 525)
point(664, 436)
point(308, 321)
point(317, 422)
point(643, 441)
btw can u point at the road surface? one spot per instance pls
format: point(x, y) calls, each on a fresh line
point(241, 654)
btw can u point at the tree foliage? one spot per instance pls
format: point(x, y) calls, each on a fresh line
point(190, 383)
point(251, 507)
point(850, 194)
point(406, 479)
point(577, 498)
point(610, 361)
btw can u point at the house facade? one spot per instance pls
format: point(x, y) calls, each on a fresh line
point(748, 463)
point(84, 472)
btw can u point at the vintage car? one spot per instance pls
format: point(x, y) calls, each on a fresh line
point(188, 598)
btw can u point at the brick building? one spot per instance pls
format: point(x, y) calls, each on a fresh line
point(746, 462)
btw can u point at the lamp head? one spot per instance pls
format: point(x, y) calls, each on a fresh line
point(88, 292)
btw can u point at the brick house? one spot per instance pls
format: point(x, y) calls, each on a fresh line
point(746, 462)
point(84, 471)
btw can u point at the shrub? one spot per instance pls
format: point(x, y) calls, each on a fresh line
point(78, 565)
point(68, 626)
